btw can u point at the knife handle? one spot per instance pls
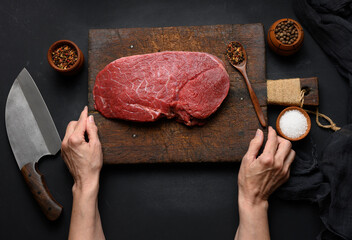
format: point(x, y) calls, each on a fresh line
point(35, 180)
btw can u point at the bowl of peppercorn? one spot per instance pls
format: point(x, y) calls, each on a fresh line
point(65, 57)
point(285, 36)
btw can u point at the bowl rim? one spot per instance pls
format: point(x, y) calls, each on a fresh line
point(305, 115)
point(57, 44)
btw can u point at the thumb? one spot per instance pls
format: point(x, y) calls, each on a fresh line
point(92, 129)
point(255, 144)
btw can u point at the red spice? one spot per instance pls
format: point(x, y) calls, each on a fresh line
point(235, 53)
point(64, 56)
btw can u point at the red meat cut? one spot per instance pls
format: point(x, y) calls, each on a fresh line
point(187, 85)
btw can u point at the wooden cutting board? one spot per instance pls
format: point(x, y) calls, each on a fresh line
point(225, 136)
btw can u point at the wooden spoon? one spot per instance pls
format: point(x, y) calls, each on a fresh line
point(241, 67)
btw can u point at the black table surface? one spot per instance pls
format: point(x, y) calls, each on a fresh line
point(162, 201)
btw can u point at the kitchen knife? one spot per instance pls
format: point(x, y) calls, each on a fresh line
point(32, 135)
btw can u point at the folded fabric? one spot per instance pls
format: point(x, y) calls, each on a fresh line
point(330, 24)
point(306, 178)
point(336, 166)
point(327, 180)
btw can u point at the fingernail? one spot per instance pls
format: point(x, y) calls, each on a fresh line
point(85, 108)
point(91, 118)
point(257, 132)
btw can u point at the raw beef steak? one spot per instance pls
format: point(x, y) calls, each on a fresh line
point(187, 85)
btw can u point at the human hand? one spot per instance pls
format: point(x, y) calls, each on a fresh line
point(83, 159)
point(260, 176)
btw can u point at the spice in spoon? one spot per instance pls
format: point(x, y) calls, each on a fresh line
point(235, 53)
point(64, 56)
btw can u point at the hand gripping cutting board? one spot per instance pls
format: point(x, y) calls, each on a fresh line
point(225, 136)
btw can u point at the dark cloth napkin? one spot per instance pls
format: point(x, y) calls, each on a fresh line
point(327, 179)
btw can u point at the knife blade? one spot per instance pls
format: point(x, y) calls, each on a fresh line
point(32, 134)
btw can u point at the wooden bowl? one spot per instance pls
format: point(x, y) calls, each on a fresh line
point(306, 116)
point(76, 67)
point(281, 48)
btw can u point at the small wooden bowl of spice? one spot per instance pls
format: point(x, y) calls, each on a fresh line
point(285, 36)
point(293, 123)
point(65, 57)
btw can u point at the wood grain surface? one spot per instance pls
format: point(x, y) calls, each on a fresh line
point(312, 96)
point(36, 183)
point(225, 136)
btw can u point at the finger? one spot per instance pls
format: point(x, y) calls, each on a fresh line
point(92, 129)
point(283, 179)
point(289, 159)
point(255, 144)
point(283, 149)
point(82, 122)
point(288, 172)
point(69, 130)
point(280, 139)
point(272, 143)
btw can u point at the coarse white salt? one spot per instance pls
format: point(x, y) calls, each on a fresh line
point(293, 124)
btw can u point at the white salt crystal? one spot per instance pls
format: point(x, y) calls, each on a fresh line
point(293, 124)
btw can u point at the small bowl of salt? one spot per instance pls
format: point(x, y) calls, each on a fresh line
point(293, 123)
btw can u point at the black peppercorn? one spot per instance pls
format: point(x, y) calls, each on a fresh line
point(286, 32)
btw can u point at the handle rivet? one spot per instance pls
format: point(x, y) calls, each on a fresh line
point(29, 175)
point(39, 192)
point(49, 208)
